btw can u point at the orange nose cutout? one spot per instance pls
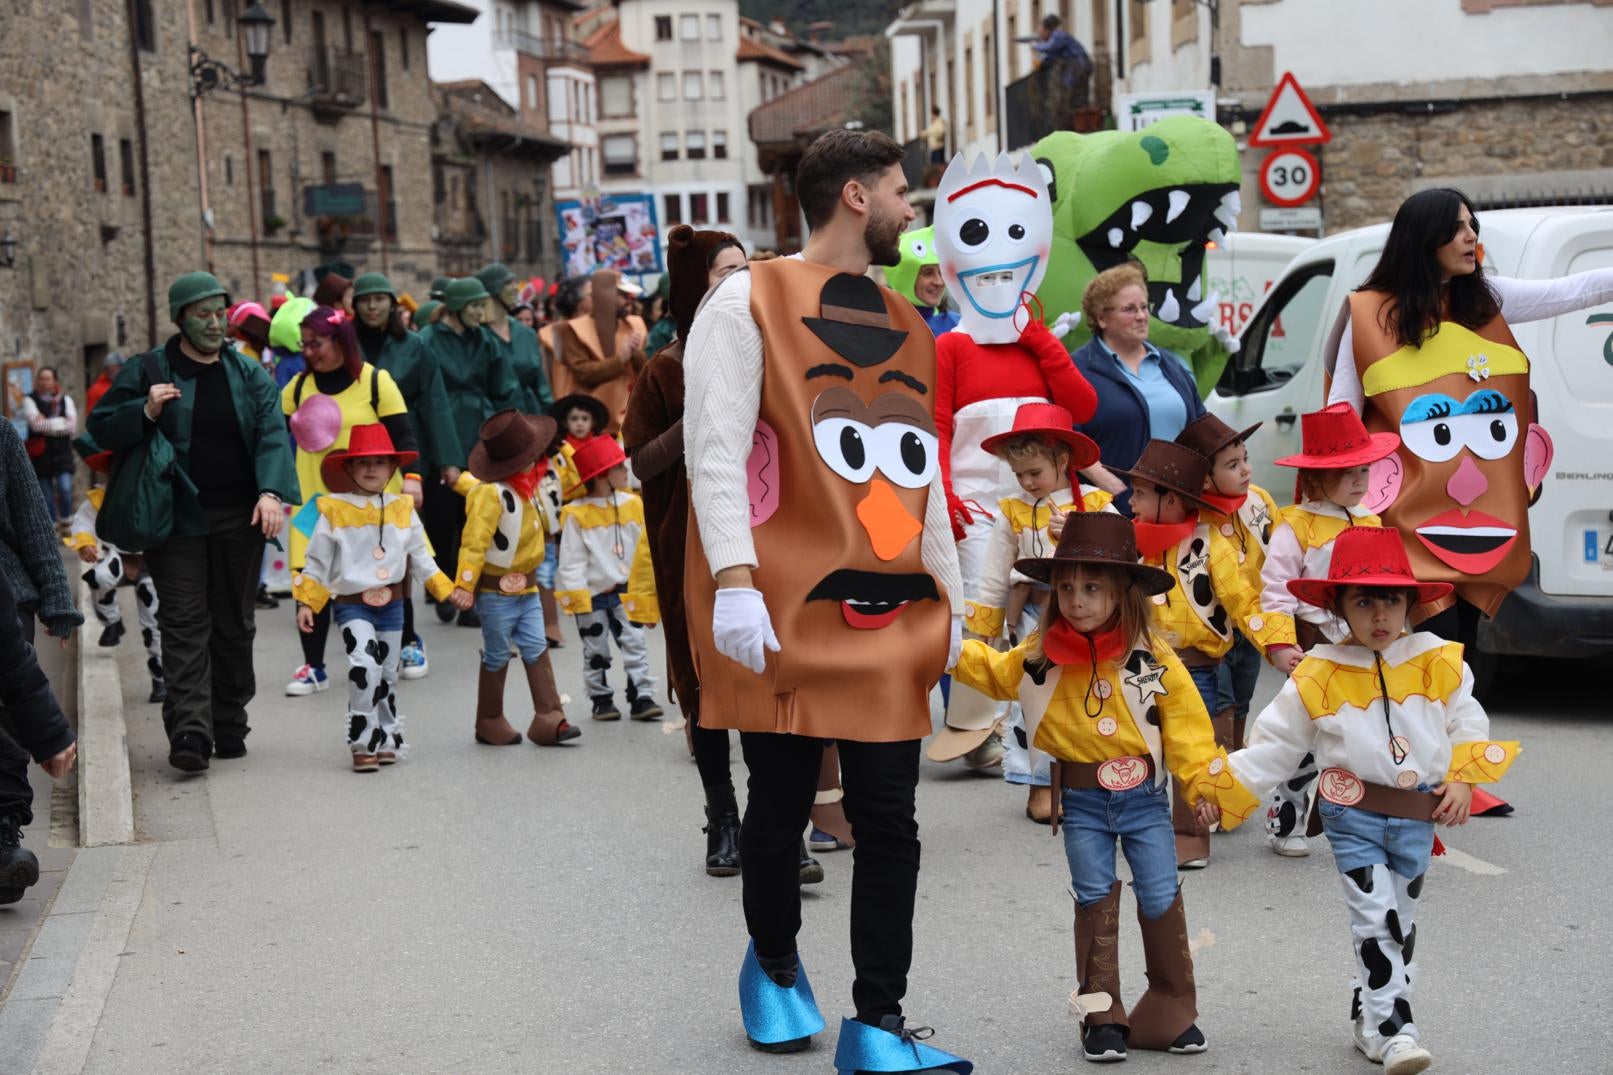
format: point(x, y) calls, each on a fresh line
point(889, 524)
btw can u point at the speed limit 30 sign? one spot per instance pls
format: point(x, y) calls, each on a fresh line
point(1290, 177)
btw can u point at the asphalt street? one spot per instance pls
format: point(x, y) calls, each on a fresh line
point(479, 909)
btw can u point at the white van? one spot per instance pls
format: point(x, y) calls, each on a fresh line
point(1565, 608)
point(1243, 266)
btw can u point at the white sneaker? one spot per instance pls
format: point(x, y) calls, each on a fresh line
point(1403, 1056)
point(307, 680)
point(1290, 847)
point(1193, 864)
point(985, 755)
point(1367, 1048)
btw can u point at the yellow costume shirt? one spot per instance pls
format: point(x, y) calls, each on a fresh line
point(603, 548)
point(1210, 595)
point(496, 508)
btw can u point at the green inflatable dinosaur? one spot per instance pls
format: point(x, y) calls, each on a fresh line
point(1158, 194)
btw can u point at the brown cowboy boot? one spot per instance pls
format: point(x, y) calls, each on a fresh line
point(1097, 962)
point(1163, 1016)
point(549, 726)
point(491, 728)
point(551, 618)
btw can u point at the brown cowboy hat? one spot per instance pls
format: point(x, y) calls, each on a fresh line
point(509, 443)
point(1207, 435)
point(855, 323)
point(1173, 467)
point(1097, 537)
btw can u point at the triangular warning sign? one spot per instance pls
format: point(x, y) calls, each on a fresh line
point(1289, 119)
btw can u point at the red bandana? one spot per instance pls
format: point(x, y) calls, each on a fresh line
point(578, 442)
point(1224, 505)
point(1064, 645)
point(1154, 538)
point(526, 482)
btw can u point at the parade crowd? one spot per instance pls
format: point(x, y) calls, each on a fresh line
point(837, 499)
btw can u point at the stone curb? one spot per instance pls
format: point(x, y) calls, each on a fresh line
point(105, 793)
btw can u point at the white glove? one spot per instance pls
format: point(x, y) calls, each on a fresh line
point(741, 627)
point(955, 645)
point(1225, 338)
point(1064, 323)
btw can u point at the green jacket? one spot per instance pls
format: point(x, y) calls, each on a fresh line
point(523, 355)
point(414, 369)
point(118, 423)
point(478, 380)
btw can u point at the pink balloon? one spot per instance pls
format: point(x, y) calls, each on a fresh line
point(761, 470)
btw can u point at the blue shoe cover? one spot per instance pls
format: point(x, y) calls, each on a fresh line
point(773, 1014)
point(866, 1048)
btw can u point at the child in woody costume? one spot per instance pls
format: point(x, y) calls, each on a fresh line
point(1333, 480)
point(1043, 451)
point(499, 553)
point(1111, 702)
point(1391, 719)
point(1209, 600)
point(579, 417)
point(364, 545)
point(606, 581)
point(1245, 514)
point(108, 567)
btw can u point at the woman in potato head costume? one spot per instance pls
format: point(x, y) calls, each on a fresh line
point(822, 585)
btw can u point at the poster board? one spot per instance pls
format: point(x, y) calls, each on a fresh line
point(615, 231)
point(19, 378)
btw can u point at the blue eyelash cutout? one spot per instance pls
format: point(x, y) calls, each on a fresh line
point(1486, 401)
point(1430, 407)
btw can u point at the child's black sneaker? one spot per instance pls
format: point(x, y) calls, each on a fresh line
point(1191, 1041)
point(644, 708)
point(1103, 1044)
point(19, 868)
point(111, 635)
point(605, 708)
point(159, 691)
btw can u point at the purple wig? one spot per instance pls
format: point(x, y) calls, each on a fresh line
point(332, 324)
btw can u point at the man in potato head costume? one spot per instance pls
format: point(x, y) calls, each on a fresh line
point(822, 586)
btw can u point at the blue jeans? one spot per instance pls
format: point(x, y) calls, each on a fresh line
point(58, 491)
point(507, 618)
point(1215, 686)
point(1364, 838)
point(1141, 818)
point(1243, 663)
point(551, 564)
point(385, 619)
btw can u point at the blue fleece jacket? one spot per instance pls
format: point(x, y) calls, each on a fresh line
point(1120, 425)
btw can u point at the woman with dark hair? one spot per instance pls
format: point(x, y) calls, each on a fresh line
point(1427, 353)
point(339, 390)
point(52, 421)
point(393, 349)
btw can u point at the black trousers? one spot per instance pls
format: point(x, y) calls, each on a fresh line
point(313, 642)
point(16, 794)
point(880, 780)
point(207, 590)
point(443, 516)
point(711, 755)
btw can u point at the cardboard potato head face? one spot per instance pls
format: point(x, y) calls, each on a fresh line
point(1470, 462)
point(993, 231)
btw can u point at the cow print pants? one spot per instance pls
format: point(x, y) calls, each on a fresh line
point(607, 622)
point(1286, 814)
point(372, 638)
point(1383, 933)
point(103, 578)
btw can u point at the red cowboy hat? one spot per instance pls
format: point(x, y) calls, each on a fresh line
point(1333, 438)
point(100, 462)
point(364, 440)
point(1366, 556)
point(595, 456)
point(1053, 422)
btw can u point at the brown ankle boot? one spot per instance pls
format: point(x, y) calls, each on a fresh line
point(1097, 959)
point(491, 728)
point(551, 617)
point(549, 726)
point(1170, 1005)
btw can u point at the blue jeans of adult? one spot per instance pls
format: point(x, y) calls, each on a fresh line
point(1243, 663)
point(58, 491)
point(508, 618)
point(1140, 818)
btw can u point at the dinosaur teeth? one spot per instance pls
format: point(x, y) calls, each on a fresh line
point(1179, 200)
point(1140, 212)
point(1233, 201)
point(1205, 310)
point(1116, 237)
point(1227, 215)
point(1169, 309)
point(1217, 235)
point(1196, 290)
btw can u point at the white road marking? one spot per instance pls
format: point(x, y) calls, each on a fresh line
point(1453, 857)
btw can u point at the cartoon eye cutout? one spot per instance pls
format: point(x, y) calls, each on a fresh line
point(906, 454)
point(921, 249)
point(847, 447)
point(1436, 427)
point(1017, 231)
point(973, 229)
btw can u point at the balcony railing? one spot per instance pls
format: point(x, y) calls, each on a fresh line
point(542, 48)
point(1054, 97)
point(340, 79)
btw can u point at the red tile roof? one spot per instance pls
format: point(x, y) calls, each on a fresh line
point(825, 102)
point(750, 49)
point(605, 48)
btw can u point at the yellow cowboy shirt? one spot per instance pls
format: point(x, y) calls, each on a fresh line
point(1093, 717)
point(1333, 706)
point(503, 535)
point(1302, 548)
point(362, 542)
point(603, 548)
point(1209, 594)
point(1019, 532)
point(1249, 529)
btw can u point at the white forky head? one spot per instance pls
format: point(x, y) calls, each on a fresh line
point(993, 231)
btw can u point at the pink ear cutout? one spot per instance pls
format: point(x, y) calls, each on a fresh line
point(1383, 484)
point(1538, 451)
point(761, 472)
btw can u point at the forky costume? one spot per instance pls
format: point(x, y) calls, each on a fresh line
point(993, 233)
point(813, 460)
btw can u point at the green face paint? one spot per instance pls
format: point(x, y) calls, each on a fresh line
point(474, 313)
point(510, 294)
point(373, 309)
point(203, 324)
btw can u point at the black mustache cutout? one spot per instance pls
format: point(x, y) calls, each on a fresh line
point(874, 587)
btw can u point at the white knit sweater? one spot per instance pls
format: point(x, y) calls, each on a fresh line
point(722, 370)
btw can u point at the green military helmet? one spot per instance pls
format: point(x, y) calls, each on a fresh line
point(462, 292)
point(494, 277)
point(918, 250)
point(439, 287)
point(422, 315)
point(193, 287)
point(373, 283)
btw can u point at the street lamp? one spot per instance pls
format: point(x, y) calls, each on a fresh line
point(208, 74)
